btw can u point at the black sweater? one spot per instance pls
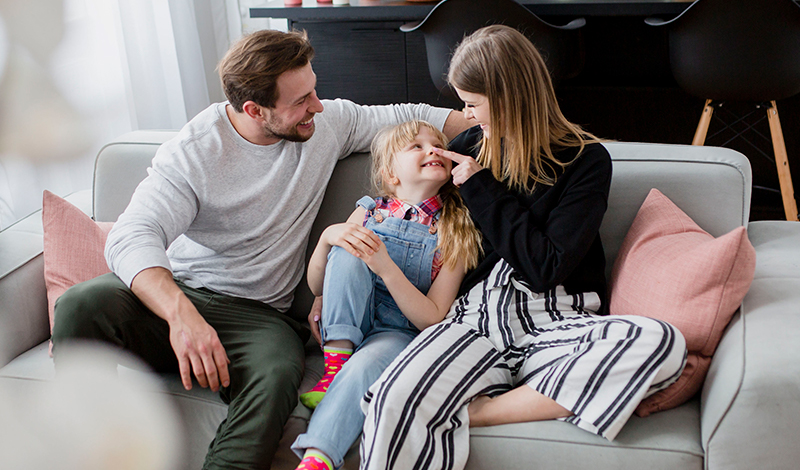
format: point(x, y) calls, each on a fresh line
point(551, 236)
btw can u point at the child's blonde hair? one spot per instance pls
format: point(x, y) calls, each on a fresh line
point(458, 237)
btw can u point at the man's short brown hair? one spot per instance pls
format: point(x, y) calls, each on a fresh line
point(250, 69)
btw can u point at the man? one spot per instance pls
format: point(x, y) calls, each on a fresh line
point(233, 196)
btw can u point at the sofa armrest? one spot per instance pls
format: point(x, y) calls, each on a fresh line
point(751, 397)
point(23, 315)
point(23, 310)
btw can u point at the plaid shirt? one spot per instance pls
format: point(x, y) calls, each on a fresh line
point(424, 213)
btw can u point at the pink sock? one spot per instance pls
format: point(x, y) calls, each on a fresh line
point(334, 360)
point(315, 461)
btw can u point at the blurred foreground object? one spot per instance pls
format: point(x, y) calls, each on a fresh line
point(90, 419)
point(36, 121)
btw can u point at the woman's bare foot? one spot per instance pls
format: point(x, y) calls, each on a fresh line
point(519, 405)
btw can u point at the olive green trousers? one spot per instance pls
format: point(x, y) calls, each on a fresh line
point(265, 348)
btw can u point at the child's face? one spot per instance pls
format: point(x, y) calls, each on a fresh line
point(417, 168)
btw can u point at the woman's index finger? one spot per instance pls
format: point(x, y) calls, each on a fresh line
point(456, 157)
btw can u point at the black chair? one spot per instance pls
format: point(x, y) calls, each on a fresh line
point(739, 50)
point(450, 20)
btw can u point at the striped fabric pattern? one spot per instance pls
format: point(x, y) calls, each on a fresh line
point(501, 335)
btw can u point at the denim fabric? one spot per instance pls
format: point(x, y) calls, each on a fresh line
point(355, 299)
point(357, 306)
point(338, 419)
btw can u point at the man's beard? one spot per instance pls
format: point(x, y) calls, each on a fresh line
point(291, 134)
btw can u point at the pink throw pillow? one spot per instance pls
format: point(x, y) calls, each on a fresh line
point(73, 247)
point(670, 269)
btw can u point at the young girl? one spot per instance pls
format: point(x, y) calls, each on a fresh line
point(529, 338)
point(390, 271)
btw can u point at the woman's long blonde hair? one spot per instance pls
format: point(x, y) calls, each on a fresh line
point(458, 237)
point(527, 125)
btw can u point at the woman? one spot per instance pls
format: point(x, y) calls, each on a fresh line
point(529, 337)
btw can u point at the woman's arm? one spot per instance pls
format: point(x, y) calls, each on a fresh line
point(544, 236)
point(421, 310)
point(350, 235)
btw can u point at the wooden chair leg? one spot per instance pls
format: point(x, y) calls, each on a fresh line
point(784, 175)
point(702, 126)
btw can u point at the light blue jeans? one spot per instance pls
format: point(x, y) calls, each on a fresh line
point(357, 306)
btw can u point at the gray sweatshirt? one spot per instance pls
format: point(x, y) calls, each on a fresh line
point(236, 216)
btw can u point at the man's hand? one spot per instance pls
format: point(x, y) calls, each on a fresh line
point(194, 341)
point(314, 317)
point(464, 167)
point(198, 350)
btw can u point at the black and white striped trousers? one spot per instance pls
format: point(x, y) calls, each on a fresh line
point(501, 335)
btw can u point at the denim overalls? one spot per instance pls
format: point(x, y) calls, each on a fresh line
point(357, 306)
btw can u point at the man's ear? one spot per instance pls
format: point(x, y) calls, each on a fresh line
point(253, 110)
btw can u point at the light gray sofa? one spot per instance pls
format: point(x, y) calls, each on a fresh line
point(747, 416)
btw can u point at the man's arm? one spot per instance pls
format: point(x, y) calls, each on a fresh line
point(194, 341)
point(162, 207)
point(354, 126)
point(455, 124)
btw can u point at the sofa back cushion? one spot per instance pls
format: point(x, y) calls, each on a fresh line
point(119, 167)
point(711, 184)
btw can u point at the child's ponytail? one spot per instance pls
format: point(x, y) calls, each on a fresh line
point(458, 236)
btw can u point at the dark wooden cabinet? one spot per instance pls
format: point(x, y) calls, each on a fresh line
point(361, 61)
point(625, 92)
point(363, 56)
point(371, 62)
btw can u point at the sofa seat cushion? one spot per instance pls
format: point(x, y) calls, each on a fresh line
point(666, 440)
point(777, 244)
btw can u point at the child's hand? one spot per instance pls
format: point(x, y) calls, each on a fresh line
point(354, 238)
point(314, 317)
point(464, 166)
point(378, 261)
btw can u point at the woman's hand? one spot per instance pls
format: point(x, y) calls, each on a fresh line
point(354, 238)
point(464, 166)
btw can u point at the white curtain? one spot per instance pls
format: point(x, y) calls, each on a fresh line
point(171, 49)
point(118, 65)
